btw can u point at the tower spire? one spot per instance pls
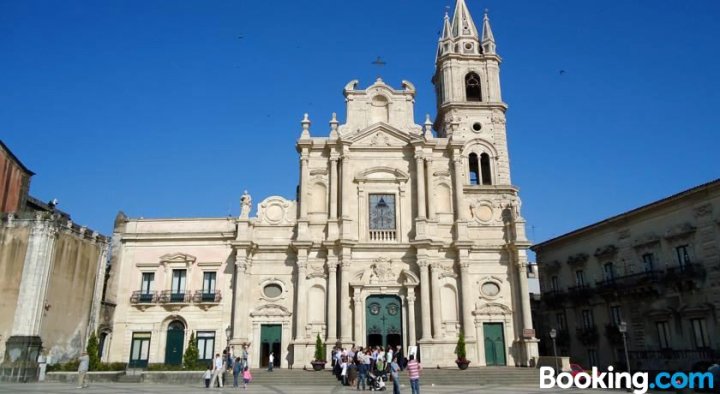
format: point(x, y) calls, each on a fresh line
point(462, 23)
point(488, 40)
point(447, 28)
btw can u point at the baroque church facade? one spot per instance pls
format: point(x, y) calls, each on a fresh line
point(399, 236)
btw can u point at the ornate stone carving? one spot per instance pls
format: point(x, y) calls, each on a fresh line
point(382, 271)
point(380, 139)
point(492, 309)
point(271, 310)
point(498, 117)
point(481, 211)
point(605, 251)
point(276, 211)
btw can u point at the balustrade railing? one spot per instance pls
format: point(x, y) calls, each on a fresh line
point(383, 235)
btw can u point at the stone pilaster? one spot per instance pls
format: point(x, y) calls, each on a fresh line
point(425, 299)
point(240, 323)
point(345, 326)
point(436, 312)
point(300, 286)
point(420, 183)
point(467, 301)
point(412, 337)
point(332, 301)
point(357, 319)
point(333, 187)
point(430, 188)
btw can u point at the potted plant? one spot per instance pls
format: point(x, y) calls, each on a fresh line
point(462, 362)
point(318, 362)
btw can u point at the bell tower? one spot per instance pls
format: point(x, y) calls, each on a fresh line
point(469, 103)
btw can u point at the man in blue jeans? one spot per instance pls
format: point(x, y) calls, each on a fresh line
point(362, 369)
point(414, 369)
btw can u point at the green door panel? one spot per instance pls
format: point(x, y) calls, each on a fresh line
point(494, 340)
point(383, 320)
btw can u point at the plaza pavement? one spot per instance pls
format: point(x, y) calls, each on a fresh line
point(132, 388)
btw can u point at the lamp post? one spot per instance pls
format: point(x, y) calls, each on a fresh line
point(553, 335)
point(622, 327)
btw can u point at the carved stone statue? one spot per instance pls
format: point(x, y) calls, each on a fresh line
point(245, 205)
point(382, 271)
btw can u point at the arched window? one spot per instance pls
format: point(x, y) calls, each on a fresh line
point(474, 172)
point(485, 167)
point(472, 87)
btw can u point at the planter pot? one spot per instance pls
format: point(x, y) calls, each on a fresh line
point(462, 364)
point(318, 365)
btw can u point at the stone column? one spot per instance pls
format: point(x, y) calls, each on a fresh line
point(459, 180)
point(358, 312)
point(425, 299)
point(467, 305)
point(35, 277)
point(345, 326)
point(412, 340)
point(304, 176)
point(420, 184)
point(436, 312)
point(332, 302)
point(240, 317)
point(301, 292)
point(524, 293)
point(333, 187)
point(430, 189)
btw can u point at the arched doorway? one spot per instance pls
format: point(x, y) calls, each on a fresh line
point(383, 319)
point(174, 343)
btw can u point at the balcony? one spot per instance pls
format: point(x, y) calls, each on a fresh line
point(170, 297)
point(588, 335)
point(202, 297)
point(143, 297)
point(383, 236)
point(642, 283)
point(554, 298)
point(686, 277)
point(580, 294)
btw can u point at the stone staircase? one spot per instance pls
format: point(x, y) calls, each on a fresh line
point(480, 376)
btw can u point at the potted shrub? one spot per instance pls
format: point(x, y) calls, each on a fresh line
point(462, 362)
point(318, 362)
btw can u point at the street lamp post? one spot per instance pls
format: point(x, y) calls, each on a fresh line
point(553, 335)
point(622, 327)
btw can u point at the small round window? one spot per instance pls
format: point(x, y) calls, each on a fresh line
point(490, 289)
point(468, 46)
point(273, 290)
point(477, 126)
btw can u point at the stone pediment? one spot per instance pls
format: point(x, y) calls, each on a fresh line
point(380, 135)
point(492, 309)
point(177, 258)
point(270, 310)
point(382, 174)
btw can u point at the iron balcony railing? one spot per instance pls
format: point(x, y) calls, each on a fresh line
point(631, 280)
point(171, 297)
point(203, 297)
point(674, 354)
point(143, 297)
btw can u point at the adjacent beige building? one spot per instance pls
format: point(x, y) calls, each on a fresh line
point(400, 235)
point(656, 267)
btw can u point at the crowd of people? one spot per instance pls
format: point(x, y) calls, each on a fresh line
point(371, 367)
point(240, 367)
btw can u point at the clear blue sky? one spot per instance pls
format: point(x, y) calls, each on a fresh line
point(159, 109)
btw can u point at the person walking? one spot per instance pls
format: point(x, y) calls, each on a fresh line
point(208, 376)
point(271, 361)
point(237, 370)
point(395, 374)
point(414, 369)
point(83, 369)
point(217, 371)
point(247, 377)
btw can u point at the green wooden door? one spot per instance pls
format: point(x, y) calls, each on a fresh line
point(383, 321)
point(270, 340)
point(174, 343)
point(494, 344)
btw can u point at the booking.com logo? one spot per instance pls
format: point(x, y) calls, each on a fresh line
point(639, 382)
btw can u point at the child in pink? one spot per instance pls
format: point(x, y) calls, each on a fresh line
point(247, 377)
